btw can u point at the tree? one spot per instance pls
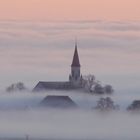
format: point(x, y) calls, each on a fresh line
point(106, 104)
point(16, 87)
point(98, 89)
point(108, 89)
point(135, 106)
point(90, 84)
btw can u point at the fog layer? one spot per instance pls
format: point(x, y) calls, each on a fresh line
point(32, 52)
point(70, 124)
point(20, 116)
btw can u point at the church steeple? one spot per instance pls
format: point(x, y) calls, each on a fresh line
point(75, 62)
point(75, 77)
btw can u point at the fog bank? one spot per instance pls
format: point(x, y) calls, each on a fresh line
point(72, 124)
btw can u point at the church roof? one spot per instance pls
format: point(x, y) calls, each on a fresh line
point(42, 86)
point(75, 62)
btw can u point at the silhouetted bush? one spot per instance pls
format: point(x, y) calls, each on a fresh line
point(16, 87)
point(106, 104)
point(98, 89)
point(135, 106)
point(91, 85)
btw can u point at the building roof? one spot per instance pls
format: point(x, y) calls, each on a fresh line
point(75, 62)
point(52, 101)
point(52, 85)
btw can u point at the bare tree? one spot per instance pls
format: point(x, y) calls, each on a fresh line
point(108, 89)
point(98, 89)
point(91, 85)
point(16, 87)
point(106, 104)
point(135, 106)
point(89, 82)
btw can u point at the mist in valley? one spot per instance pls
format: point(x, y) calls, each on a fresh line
point(42, 51)
point(20, 115)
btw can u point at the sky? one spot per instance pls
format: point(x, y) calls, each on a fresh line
point(39, 36)
point(69, 10)
point(42, 51)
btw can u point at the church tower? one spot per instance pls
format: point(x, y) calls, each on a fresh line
point(75, 77)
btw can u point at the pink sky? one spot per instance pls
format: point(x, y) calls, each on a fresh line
point(70, 9)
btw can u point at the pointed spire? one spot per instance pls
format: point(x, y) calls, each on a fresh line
point(75, 62)
point(76, 42)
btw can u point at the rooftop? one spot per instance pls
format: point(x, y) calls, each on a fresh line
point(61, 102)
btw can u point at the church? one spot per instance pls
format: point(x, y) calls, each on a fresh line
point(74, 82)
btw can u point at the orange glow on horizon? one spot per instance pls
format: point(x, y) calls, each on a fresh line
point(69, 9)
